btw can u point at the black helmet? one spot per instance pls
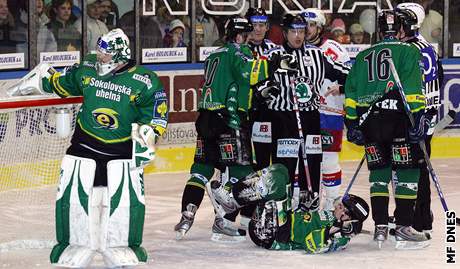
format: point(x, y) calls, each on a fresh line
point(408, 20)
point(389, 23)
point(293, 22)
point(237, 25)
point(357, 208)
point(256, 15)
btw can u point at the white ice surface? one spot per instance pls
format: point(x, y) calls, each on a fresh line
point(163, 196)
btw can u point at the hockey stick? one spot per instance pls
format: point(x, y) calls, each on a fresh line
point(355, 175)
point(302, 147)
point(434, 177)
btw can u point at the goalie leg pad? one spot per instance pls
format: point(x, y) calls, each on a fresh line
point(267, 184)
point(126, 213)
point(72, 206)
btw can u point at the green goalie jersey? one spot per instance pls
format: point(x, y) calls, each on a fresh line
point(309, 231)
point(230, 71)
point(114, 101)
point(370, 77)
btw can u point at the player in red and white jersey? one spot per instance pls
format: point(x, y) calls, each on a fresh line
point(331, 107)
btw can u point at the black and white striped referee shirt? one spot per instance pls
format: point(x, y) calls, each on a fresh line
point(313, 68)
point(432, 72)
point(263, 47)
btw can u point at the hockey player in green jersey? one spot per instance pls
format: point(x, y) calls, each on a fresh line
point(375, 118)
point(222, 126)
point(100, 204)
point(275, 226)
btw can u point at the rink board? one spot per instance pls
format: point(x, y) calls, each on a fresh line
point(176, 159)
point(173, 159)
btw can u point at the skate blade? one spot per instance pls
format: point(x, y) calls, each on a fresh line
point(410, 245)
point(379, 244)
point(222, 238)
point(180, 234)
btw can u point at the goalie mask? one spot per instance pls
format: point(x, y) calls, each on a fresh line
point(112, 51)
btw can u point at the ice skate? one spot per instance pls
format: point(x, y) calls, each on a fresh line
point(186, 221)
point(409, 238)
point(380, 234)
point(224, 230)
point(428, 234)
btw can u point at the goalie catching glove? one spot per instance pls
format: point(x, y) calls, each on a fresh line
point(144, 138)
point(31, 84)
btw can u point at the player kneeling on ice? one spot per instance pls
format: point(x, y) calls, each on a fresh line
point(100, 205)
point(275, 226)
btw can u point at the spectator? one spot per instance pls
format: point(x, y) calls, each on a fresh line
point(42, 17)
point(175, 36)
point(163, 19)
point(207, 25)
point(109, 14)
point(61, 24)
point(95, 28)
point(45, 39)
point(431, 28)
point(150, 33)
point(12, 38)
point(357, 34)
point(338, 31)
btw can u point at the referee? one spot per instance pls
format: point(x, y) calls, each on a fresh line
point(313, 68)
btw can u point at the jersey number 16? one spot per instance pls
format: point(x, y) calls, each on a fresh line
point(377, 63)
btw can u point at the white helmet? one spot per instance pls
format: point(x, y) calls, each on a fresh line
point(314, 14)
point(417, 9)
point(115, 43)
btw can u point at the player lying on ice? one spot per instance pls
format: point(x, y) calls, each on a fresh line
point(100, 204)
point(275, 225)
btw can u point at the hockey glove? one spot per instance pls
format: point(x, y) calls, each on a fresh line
point(417, 132)
point(144, 139)
point(31, 84)
point(350, 228)
point(282, 63)
point(266, 88)
point(354, 134)
point(309, 202)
